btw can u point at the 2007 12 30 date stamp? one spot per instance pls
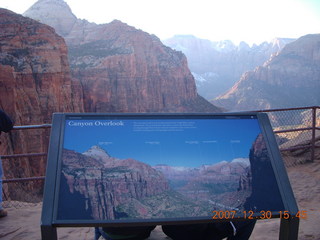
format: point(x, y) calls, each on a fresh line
point(230, 214)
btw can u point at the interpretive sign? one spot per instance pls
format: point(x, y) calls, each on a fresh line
point(130, 169)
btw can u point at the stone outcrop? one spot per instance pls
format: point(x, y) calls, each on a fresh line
point(120, 68)
point(35, 81)
point(290, 78)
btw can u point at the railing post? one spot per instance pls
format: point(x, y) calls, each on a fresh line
point(313, 138)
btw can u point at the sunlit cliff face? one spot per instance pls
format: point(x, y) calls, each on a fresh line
point(35, 82)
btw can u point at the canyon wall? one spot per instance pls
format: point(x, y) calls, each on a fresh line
point(35, 81)
point(121, 68)
point(127, 70)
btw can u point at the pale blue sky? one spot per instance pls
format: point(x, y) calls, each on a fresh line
point(196, 143)
point(253, 21)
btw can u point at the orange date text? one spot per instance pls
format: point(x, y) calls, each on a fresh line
point(232, 214)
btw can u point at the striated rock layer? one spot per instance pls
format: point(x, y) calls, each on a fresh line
point(35, 81)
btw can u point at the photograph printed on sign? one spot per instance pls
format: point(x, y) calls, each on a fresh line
point(163, 168)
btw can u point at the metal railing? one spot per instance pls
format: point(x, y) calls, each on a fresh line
point(25, 197)
point(288, 124)
point(14, 156)
point(299, 126)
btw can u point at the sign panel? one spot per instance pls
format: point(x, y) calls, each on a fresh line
point(131, 168)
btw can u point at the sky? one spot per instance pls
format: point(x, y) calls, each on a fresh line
point(188, 143)
point(252, 21)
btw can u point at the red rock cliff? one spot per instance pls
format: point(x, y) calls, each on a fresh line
point(123, 69)
point(120, 68)
point(35, 81)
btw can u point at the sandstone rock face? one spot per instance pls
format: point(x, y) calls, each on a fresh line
point(35, 81)
point(290, 78)
point(122, 69)
point(218, 65)
point(120, 74)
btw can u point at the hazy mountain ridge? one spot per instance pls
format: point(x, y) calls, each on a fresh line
point(217, 66)
point(291, 78)
point(207, 181)
point(236, 166)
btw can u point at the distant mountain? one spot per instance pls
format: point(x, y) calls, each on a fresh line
point(291, 78)
point(120, 68)
point(221, 169)
point(98, 153)
point(55, 13)
point(217, 66)
point(209, 181)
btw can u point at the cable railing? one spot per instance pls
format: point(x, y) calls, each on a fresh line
point(297, 129)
